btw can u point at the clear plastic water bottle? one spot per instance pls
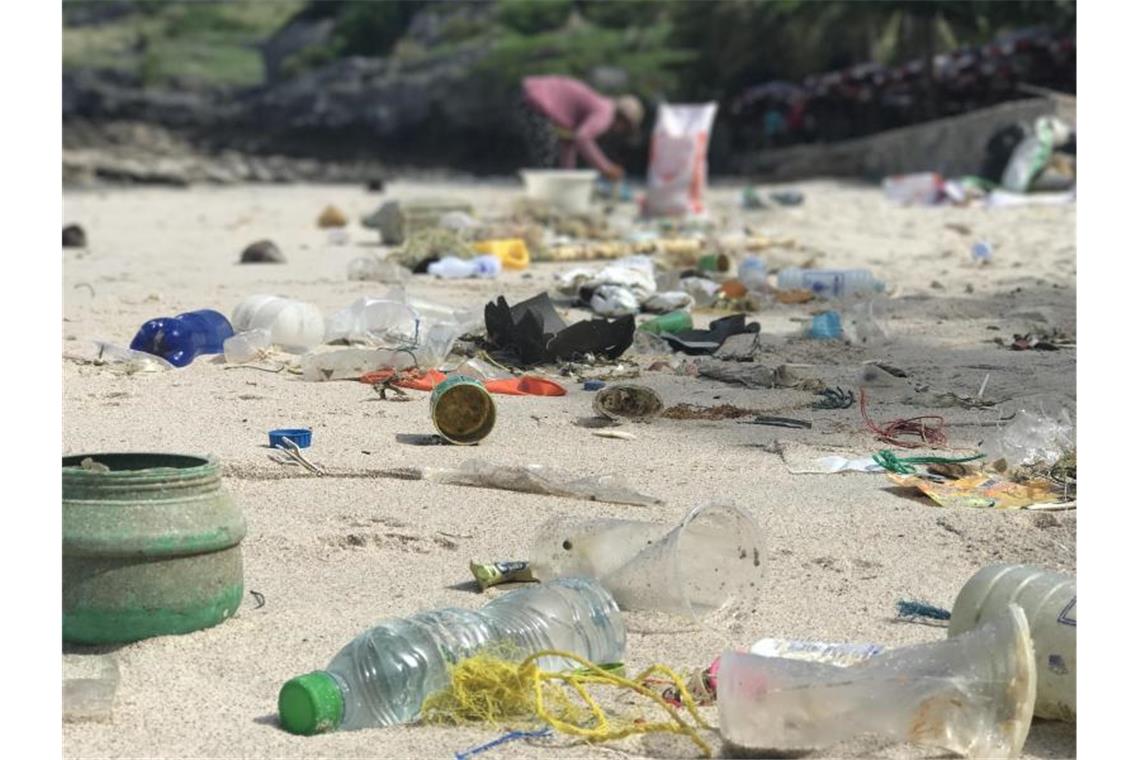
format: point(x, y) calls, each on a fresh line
point(180, 339)
point(830, 283)
point(383, 676)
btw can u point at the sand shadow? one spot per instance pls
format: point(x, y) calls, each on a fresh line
point(420, 439)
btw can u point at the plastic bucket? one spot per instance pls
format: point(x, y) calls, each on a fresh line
point(1050, 603)
point(462, 410)
point(567, 189)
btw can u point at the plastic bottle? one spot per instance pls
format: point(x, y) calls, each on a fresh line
point(455, 268)
point(1050, 604)
point(181, 338)
point(293, 325)
point(830, 283)
point(753, 273)
point(383, 676)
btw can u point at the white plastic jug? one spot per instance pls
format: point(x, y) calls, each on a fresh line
point(293, 325)
point(1050, 604)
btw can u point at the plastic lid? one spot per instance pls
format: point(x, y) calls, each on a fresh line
point(310, 704)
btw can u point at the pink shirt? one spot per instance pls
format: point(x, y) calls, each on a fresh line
point(577, 109)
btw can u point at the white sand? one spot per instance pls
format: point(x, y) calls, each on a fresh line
point(843, 548)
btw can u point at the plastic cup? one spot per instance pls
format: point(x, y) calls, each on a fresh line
point(462, 410)
point(972, 694)
point(708, 562)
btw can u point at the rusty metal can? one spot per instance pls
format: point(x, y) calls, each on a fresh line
point(462, 410)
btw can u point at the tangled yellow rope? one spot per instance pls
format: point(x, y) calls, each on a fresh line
point(486, 688)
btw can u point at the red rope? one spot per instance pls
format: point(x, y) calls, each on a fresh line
point(928, 428)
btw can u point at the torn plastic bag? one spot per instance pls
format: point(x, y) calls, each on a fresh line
point(698, 342)
point(534, 332)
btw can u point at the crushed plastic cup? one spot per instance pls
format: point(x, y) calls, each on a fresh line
point(246, 346)
point(709, 562)
point(972, 694)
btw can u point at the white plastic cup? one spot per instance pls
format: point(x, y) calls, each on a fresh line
point(1050, 603)
point(293, 325)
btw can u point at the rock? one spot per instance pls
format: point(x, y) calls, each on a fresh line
point(739, 348)
point(332, 217)
point(872, 376)
point(750, 375)
point(74, 236)
point(375, 185)
point(262, 252)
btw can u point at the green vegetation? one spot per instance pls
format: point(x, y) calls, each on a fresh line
point(211, 42)
point(683, 49)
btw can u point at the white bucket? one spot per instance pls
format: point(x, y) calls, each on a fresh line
point(567, 189)
point(1050, 604)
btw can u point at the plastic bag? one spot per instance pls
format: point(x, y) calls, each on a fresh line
point(678, 159)
point(1032, 438)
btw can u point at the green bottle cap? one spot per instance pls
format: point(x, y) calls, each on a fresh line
point(310, 704)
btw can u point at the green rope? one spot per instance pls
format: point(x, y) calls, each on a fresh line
point(891, 462)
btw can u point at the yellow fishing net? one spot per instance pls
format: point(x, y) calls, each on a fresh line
point(488, 688)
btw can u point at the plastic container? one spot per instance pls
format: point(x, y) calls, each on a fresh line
point(711, 560)
point(383, 676)
point(89, 685)
point(567, 189)
point(826, 326)
point(1050, 604)
point(830, 283)
point(512, 252)
point(674, 321)
point(753, 273)
point(303, 437)
point(970, 694)
point(714, 262)
point(151, 546)
point(293, 325)
point(246, 346)
point(923, 189)
point(455, 268)
point(181, 338)
point(462, 410)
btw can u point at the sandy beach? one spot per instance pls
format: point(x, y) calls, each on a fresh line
point(334, 555)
